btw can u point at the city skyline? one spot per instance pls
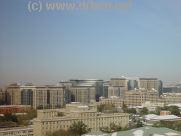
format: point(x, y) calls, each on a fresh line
point(44, 48)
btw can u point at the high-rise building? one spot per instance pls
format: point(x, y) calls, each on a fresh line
point(20, 94)
point(132, 84)
point(83, 93)
point(150, 84)
point(49, 97)
point(119, 82)
point(88, 84)
point(139, 96)
point(2, 97)
point(36, 96)
point(105, 89)
point(117, 87)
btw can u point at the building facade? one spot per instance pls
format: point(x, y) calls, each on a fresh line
point(83, 93)
point(48, 121)
point(171, 98)
point(20, 94)
point(2, 97)
point(36, 96)
point(140, 96)
point(117, 87)
point(150, 84)
point(113, 100)
point(17, 131)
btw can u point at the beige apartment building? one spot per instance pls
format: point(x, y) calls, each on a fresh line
point(49, 97)
point(2, 96)
point(140, 96)
point(17, 131)
point(171, 98)
point(36, 96)
point(117, 87)
point(49, 121)
point(121, 82)
point(113, 100)
point(150, 83)
point(20, 94)
point(83, 93)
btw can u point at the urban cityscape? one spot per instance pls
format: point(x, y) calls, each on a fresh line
point(103, 107)
point(90, 68)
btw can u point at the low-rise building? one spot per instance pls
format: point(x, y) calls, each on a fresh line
point(150, 119)
point(171, 98)
point(113, 100)
point(139, 96)
point(50, 121)
point(7, 109)
point(151, 106)
point(17, 131)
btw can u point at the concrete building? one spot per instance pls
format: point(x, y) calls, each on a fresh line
point(9, 109)
point(67, 85)
point(2, 97)
point(49, 97)
point(113, 100)
point(150, 83)
point(49, 121)
point(132, 84)
point(171, 98)
point(139, 96)
point(119, 82)
point(151, 106)
point(17, 131)
point(86, 90)
point(150, 119)
point(36, 96)
point(117, 87)
point(83, 93)
point(105, 89)
point(20, 94)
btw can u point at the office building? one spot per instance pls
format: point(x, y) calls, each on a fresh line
point(113, 100)
point(140, 96)
point(150, 84)
point(171, 98)
point(2, 97)
point(50, 121)
point(20, 94)
point(49, 96)
point(117, 87)
point(37, 96)
point(132, 84)
point(90, 89)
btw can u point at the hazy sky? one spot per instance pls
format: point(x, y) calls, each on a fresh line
point(46, 47)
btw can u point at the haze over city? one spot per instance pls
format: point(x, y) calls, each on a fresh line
point(44, 48)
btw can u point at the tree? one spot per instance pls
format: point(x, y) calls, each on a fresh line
point(157, 110)
point(59, 132)
point(106, 108)
point(144, 111)
point(139, 124)
point(174, 110)
point(78, 129)
point(132, 110)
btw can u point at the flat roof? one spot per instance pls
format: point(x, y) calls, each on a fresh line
point(143, 131)
point(148, 78)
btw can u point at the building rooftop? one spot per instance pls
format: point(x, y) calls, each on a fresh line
point(148, 78)
point(143, 131)
point(157, 117)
